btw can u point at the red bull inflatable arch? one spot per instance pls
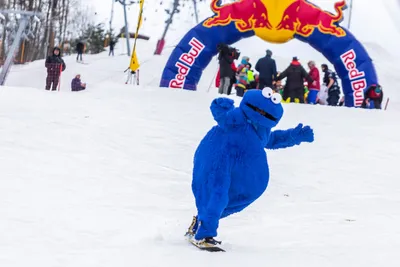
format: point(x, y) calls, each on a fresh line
point(275, 21)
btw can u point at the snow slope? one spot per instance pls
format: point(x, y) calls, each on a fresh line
point(102, 178)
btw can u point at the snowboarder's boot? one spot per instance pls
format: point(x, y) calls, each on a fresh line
point(208, 243)
point(193, 227)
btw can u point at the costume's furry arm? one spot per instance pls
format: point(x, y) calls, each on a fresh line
point(291, 137)
point(220, 108)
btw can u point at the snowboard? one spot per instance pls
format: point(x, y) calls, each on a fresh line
point(214, 248)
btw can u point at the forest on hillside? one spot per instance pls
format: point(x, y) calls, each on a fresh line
point(60, 23)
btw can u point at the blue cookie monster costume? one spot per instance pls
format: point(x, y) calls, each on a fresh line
point(230, 164)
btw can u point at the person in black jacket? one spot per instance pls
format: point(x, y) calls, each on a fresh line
point(79, 49)
point(55, 65)
point(330, 81)
point(266, 68)
point(112, 44)
point(225, 59)
point(294, 87)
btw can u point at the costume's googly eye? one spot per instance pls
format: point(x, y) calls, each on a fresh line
point(276, 98)
point(267, 92)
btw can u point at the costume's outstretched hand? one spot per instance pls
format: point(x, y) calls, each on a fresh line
point(220, 108)
point(302, 134)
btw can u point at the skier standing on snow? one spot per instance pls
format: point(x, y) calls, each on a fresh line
point(112, 44)
point(55, 65)
point(79, 49)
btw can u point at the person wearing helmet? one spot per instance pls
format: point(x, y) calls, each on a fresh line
point(55, 65)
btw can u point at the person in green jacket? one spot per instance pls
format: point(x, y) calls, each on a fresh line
point(251, 81)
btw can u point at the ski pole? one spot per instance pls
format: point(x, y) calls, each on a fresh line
point(59, 78)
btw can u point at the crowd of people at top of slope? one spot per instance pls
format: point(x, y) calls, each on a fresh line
point(300, 86)
point(55, 65)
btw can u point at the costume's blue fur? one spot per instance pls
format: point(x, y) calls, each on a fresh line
point(230, 164)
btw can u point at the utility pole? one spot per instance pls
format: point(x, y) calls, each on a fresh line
point(196, 15)
point(23, 23)
point(168, 22)
point(112, 14)
point(127, 36)
point(350, 11)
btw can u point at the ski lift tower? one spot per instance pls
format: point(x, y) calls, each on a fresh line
point(126, 3)
point(23, 17)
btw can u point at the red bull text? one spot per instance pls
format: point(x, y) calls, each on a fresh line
point(303, 17)
point(196, 47)
point(246, 15)
point(357, 78)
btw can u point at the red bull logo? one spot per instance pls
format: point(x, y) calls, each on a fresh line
point(303, 17)
point(356, 77)
point(277, 21)
point(247, 15)
point(186, 60)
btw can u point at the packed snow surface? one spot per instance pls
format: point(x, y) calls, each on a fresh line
point(102, 177)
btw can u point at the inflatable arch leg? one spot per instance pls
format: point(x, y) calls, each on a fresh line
point(276, 21)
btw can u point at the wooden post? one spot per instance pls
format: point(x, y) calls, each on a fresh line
point(387, 102)
point(22, 52)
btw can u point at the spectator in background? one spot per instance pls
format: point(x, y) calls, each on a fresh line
point(242, 76)
point(232, 81)
point(225, 59)
point(112, 44)
point(252, 83)
point(294, 87)
point(373, 97)
point(77, 85)
point(54, 65)
point(278, 87)
point(245, 77)
point(313, 88)
point(79, 49)
point(266, 68)
point(330, 81)
point(233, 78)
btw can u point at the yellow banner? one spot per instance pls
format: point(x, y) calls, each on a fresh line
point(134, 61)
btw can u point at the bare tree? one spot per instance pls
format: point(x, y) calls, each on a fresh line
point(61, 21)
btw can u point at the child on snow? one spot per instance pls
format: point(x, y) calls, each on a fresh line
point(77, 85)
point(245, 77)
point(373, 97)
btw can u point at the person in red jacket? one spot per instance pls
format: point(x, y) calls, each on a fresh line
point(233, 79)
point(314, 87)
